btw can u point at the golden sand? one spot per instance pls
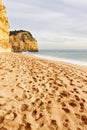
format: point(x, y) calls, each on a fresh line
point(38, 94)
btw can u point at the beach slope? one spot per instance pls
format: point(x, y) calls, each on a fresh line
point(38, 94)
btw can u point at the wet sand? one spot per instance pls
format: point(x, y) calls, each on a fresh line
point(39, 94)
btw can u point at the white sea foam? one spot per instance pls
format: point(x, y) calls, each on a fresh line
point(77, 62)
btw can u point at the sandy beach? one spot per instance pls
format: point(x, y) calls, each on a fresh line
point(39, 94)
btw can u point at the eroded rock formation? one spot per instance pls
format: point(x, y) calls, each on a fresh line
point(22, 41)
point(15, 41)
point(4, 29)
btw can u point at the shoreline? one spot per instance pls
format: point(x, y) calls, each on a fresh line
point(52, 58)
point(82, 65)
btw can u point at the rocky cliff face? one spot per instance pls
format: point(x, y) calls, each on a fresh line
point(22, 41)
point(16, 41)
point(4, 29)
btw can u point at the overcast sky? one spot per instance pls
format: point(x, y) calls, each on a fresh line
point(56, 24)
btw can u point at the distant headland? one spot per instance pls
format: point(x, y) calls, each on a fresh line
point(21, 40)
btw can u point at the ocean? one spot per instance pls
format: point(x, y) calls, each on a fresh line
point(71, 56)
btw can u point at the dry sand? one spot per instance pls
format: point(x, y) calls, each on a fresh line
point(37, 94)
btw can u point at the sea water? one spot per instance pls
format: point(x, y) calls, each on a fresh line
point(71, 56)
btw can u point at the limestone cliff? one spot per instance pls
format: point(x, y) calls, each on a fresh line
point(22, 41)
point(16, 41)
point(4, 29)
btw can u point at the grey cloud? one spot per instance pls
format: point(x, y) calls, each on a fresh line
point(63, 22)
